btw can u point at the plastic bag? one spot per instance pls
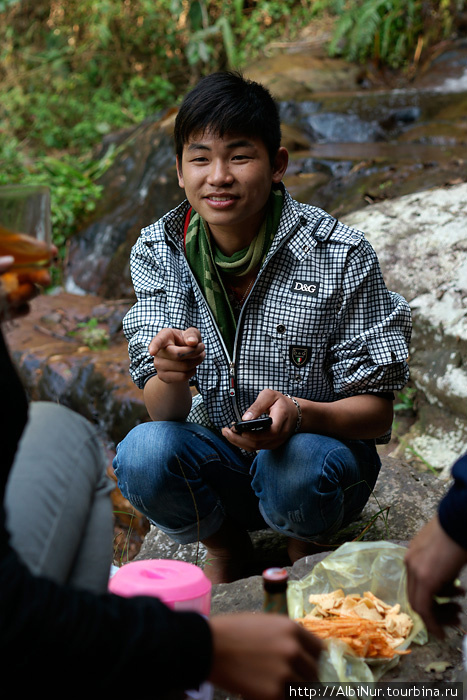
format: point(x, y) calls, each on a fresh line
point(357, 567)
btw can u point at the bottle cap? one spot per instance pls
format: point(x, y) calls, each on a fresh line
point(275, 574)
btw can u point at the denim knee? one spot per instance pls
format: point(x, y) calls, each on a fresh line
point(142, 462)
point(307, 487)
point(159, 470)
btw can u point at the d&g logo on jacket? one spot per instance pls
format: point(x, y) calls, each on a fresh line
point(306, 287)
point(299, 356)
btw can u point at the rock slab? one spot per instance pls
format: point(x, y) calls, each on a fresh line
point(421, 243)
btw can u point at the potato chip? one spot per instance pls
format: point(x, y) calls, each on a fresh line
point(367, 613)
point(380, 605)
point(328, 601)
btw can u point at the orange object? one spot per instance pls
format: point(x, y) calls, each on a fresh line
point(366, 638)
point(370, 627)
point(25, 249)
point(18, 285)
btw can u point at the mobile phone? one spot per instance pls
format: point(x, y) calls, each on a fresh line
point(256, 425)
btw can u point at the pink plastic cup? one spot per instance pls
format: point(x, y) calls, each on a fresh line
point(179, 585)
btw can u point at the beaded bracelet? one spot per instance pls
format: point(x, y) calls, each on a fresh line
point(299, 411)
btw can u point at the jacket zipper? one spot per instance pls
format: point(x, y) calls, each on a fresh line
point(232, 387)
point(232, 367)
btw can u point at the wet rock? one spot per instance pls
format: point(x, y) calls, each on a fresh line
point(300, 76)
point(400, 117)
point(343, 128)
point(139, 188)
point(56, 365)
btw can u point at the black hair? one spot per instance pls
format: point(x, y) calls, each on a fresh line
point(227, 103)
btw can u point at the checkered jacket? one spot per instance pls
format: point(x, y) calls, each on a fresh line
point(319, 322)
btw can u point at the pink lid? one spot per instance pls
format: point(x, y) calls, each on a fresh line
point(171, 581)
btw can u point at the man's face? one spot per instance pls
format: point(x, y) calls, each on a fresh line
point(228, 181)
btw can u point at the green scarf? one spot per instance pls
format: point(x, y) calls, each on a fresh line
point(208, 263)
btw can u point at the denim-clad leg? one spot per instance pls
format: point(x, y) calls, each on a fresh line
point(312, 485)
point(185, 478)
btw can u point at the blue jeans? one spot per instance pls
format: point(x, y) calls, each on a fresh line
point(186, 479)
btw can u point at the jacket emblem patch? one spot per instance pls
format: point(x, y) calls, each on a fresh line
point(299, 356)
point(311, 289)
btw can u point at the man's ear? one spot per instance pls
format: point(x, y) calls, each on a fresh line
point(181, 181)
point(281, 162)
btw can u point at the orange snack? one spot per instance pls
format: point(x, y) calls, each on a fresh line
point(368, 625)
point(366, 638)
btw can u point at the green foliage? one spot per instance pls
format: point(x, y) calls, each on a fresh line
point(405, 400)
point(5, 4)
point(392, 32)
point(72, 182)
point(404, 408)
point(92, 335)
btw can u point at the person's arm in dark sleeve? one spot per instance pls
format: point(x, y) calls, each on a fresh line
point(452, 510)
point(55, 637)
point(104, 641)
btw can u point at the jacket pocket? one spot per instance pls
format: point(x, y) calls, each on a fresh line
point(297, 344)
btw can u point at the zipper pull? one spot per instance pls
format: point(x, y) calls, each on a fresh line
point(232, 379)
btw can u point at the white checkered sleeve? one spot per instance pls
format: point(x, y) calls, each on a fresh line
point(369, 350)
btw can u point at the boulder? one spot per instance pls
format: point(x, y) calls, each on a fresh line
point(421, 242)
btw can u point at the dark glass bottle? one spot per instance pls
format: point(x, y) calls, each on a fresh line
point(275, 590)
